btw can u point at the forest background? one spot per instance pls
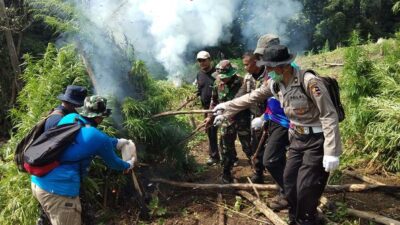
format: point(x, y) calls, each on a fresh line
point(41, 53)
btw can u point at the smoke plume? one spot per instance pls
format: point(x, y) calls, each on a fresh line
point(162, 32)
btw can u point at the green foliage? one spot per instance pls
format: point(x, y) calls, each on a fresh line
point(44, 79)
point(58, 14)
point(155, 208)
point(160, 135)
point(371, 91)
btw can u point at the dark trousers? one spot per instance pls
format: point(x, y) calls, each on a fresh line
point(274, 158)
point(304, 177)
point(256, 136)
point(213, 142)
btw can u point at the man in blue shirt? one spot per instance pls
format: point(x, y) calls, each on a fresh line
point(58, 191)
point(72, 98)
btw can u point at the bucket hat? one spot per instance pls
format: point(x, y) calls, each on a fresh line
point(225, 69)
point(95, 106)
point(276, 55)
point(265, 41)
point(74, 94)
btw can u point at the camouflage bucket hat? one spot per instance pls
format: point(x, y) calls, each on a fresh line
point(95, 106)
point(225, 69)
point(265, 41)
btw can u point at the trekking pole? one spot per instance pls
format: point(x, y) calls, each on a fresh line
point(169, 113)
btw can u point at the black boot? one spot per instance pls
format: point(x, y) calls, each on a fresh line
point(227, 177)
point(257, 178)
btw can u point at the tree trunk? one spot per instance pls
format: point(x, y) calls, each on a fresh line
point(12, 53)
point(264, 187)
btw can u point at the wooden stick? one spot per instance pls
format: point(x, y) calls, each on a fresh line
point(275, 219)
point(362, 177)
point(189, 100)
point(239, 213)
point(221, 211)
point(273, 187)
point(260, 143)
point(333, 64)
point(170, 113)
point(372, 217)
point(254, 188)
point(216, 186)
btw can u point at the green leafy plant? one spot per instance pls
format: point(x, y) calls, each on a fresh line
point(155, 208)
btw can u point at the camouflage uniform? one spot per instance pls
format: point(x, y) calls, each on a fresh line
point(239, 125)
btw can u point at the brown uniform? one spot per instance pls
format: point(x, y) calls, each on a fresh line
point(314, 133)
point(301, 111)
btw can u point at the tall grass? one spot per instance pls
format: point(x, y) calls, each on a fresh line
point(371, 91)
point(161, 136)
point(44, 79)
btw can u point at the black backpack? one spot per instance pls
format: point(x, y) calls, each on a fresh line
point(332, 86)
point(43, 154)
point(32, 135)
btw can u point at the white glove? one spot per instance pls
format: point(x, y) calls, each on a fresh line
point(219, 120)
point(219, 109)
point(257, 123)
point(131, 163)
point(330, 163)
point(128, 151)
point(121, 142)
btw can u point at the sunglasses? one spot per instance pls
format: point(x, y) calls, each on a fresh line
point(201, 60)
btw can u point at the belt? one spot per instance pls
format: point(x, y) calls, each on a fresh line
point(306, 130)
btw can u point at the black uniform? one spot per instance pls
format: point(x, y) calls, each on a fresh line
point(205, 82)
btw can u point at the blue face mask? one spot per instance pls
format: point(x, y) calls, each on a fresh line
point(275, 76)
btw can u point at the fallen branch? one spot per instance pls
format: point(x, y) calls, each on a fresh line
point(189, 100)
point(362, 214)
point(372, 217)
point(233, 186)
point(362, 177)
point(273, 187)
point(275, 219)
point(170, 113)
point(221, 211)
point(254, 189)
point(333, 64)
point(239, 213)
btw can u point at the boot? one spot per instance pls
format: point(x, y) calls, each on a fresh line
point(227, 177)
point(236, 162)
point(278, 203)
point(213, 161)
point(257, 178)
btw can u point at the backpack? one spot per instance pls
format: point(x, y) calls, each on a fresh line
point(43, 154)
point(32, 135)
point(332, 86)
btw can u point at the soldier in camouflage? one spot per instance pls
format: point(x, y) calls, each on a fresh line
point(228, 86)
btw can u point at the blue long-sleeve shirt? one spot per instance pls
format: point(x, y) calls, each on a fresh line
point(89, 142)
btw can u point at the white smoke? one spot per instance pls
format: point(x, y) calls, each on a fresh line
point(259, 17)
point(163, 31)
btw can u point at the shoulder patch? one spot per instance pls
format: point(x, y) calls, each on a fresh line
point(313, 86)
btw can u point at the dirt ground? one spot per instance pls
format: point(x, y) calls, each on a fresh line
point(185, 206)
